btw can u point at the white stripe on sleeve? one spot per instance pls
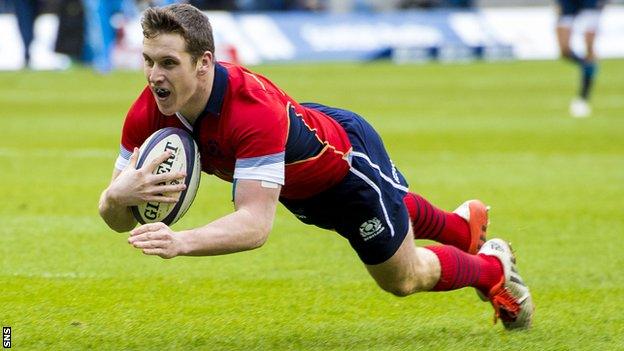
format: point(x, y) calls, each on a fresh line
point(123, 159)
point(270, 168)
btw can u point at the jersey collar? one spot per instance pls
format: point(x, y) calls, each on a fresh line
point(219, 87)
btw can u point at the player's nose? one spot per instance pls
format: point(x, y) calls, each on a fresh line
point(155, 75)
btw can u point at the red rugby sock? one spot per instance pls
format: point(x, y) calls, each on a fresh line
point(459, 269)
point(433, 223)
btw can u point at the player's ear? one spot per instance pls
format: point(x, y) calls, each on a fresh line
point(205, 63)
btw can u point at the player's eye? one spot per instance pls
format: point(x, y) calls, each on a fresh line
point(148, 62)
point(168, 63)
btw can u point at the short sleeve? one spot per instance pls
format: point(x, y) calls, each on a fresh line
point(259, 135)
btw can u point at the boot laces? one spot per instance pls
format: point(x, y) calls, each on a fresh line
point(506, 307)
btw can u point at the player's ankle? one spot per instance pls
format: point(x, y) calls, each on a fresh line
point(491, 274)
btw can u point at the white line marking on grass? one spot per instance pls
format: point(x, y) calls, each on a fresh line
point(57, 275)
point(66, 153)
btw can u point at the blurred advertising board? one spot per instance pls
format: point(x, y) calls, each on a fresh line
point(406, 36)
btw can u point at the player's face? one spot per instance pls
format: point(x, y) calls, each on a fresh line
point(170, 72)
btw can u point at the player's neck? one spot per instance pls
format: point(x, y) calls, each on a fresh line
point(197, 103)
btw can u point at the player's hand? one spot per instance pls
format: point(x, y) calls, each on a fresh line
point(135, 186)
point(156, 239)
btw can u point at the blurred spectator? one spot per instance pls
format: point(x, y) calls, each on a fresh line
point(460, 3)
point(311, 5)
point(389, 5)
point(435, 3)
point(70, 39)
point(262, 5)
point(26, 12)
point(280, 5)
point(159, 3)
point(100, 33)
point(406, 4)
point(225, 5)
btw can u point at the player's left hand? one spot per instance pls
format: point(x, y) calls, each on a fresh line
point(156, 239)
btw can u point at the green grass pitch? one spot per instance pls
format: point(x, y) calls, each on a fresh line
point(498, 131)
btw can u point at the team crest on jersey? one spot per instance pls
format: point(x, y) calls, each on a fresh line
point(371, 228)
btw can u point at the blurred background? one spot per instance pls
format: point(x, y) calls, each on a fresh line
point(106, 35)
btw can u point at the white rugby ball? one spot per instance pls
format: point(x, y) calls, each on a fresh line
point(185, 158)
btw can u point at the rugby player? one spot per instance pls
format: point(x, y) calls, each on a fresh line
point(327, 165)
point(587, 12)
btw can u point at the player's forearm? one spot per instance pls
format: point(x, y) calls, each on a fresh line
point(238, 231)
point(118, 217)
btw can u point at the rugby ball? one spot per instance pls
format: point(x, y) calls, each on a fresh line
point(185, 158)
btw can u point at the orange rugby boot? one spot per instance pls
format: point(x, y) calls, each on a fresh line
point(476, 214)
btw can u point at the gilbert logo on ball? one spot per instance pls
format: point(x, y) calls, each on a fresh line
point(184, 158)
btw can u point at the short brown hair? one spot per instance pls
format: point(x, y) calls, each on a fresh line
point(183, 19)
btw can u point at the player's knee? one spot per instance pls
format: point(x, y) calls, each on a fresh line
point(400, 289)
point(566, 52)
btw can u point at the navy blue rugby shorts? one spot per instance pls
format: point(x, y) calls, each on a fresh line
point(573, 7)
point(366, 207)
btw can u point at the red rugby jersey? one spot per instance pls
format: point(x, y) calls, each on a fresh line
point(251, 129)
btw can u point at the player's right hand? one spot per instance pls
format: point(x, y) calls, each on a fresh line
point(135, 186)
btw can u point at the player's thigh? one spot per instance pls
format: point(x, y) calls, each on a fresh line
point(409, 270)
point(564, 33)
point(568, 9)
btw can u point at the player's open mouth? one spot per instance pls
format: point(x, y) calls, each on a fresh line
point(162, 93)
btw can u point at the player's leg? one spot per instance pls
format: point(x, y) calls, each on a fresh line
point(367, 208)
point(590, 38)
point(386, 247)
point(568, 9)
point(434, 268)
point(589, 68)
point(26, 12)
point(591, 12)
point(464, 228)
point(374, 219)
point(563, 39)
point(564, 33)
point(493, 272)
point(409, 270)
point(592, 19)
